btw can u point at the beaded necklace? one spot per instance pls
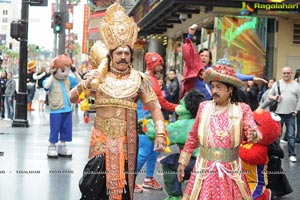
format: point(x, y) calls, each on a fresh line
point(221, 133)
point(119, 73)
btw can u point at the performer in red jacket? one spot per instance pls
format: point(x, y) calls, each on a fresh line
point(146, 154)
point(193, 62)
point(154, 64)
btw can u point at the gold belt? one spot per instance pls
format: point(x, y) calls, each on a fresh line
point(219, 154)
point(122, 103)
point(112, 128)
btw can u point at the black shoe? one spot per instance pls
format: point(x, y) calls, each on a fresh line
point(274, 197)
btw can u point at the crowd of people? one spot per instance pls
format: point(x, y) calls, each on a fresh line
point(9, 89)
point(7, 93)
point(207, 113)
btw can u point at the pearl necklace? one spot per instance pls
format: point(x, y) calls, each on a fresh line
point(120, 73)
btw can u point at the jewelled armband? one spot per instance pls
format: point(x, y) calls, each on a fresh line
point(162, 132)
point(76, 91)
point(82, 88)
point(160, 129)
point(184, 158)
point(85, 86)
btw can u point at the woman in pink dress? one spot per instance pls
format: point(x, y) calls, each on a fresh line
point(220, 127)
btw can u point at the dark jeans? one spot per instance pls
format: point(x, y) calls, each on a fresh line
point(30, 93)
point(289, 121)
point(169, 166)
point(298, 128)
point(2, 107)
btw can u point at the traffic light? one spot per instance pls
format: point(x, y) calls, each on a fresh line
point(58, 22)
point(38, 2)
point(37, 49)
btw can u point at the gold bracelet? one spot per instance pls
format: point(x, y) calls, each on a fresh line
point(161, 135)
point(75, 89)
point(160, 126)
point(84, 85)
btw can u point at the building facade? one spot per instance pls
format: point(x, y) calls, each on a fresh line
point(10, 10)
point(260, 38)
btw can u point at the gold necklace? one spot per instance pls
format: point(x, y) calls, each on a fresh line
point(221, 133)
point(119, 73)
point(218, 109)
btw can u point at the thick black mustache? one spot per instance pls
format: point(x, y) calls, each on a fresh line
point(215, 95)
point(122, 61)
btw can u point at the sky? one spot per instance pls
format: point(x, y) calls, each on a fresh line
point(39, 30)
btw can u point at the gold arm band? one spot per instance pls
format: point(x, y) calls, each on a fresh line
point(163, 136)
point(84, 85)
point(184, 158)
point(81, 87)
point(76, 91)
point(160, 127)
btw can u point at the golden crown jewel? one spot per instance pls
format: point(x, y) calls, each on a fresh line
point(117, 29)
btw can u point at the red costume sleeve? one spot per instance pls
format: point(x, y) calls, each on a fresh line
point(162, 101)
point(193, 62)
point(248, 120)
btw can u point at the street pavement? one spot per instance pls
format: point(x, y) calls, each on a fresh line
point(27, 174)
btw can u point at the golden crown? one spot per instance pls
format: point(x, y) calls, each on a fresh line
point(117, 29)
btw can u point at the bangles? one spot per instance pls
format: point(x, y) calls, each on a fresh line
point(77, 93)
point(84, 85)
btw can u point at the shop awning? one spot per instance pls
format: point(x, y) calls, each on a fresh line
point(165, 14)
point(170, 12)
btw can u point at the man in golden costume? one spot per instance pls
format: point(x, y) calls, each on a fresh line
point(110, 172)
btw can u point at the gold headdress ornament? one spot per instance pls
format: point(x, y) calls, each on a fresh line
point(117, 29)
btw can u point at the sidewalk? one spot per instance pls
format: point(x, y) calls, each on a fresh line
point(27, 174)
